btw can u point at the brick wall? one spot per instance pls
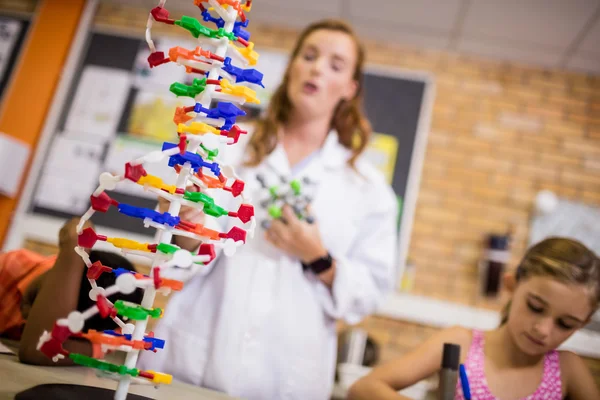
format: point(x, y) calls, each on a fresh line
point(500, 133)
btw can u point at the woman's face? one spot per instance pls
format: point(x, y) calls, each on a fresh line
point(322, 73)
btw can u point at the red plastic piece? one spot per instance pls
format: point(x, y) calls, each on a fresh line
point(242, 41)
point(88, 238)
point(145, 374)
point(52, 348)
point(237, 187)
point(186, 225)
point(234, 133)
point(213, 82)
point(235, 233)
point(96, 270)
point(61, 332)
point(152, 247)
point(104, 307)
point(102, 202)
point(182, 144)
point(195, 70)
point(180, 191)
point(134, 172)
point(162, 15)
point(245, 213)
point(207, 249)
point(222, 178)
point(156, 277)
point(157, 58)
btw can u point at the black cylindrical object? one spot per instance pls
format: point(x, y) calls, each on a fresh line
point(496, 258)
point(449, 371)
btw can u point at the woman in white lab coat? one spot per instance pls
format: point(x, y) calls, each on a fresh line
point(262, 323)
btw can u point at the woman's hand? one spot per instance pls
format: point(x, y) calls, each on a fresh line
point(296, 237)
point(300, 239)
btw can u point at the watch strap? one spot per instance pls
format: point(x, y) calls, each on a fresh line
point(319, 265)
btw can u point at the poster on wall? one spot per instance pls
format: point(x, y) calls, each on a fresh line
point(12, 34)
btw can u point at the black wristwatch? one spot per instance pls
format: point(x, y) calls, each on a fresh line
point(319, 265)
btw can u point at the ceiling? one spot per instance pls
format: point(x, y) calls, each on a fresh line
point(562, 34)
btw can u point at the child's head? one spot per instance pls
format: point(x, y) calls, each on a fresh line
point(84, 302)
point(555, 291)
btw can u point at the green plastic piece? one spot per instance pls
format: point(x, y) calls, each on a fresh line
point(221, 32)
point(193, 26)
point(166, 248)
point(193, 90)
point(199, 197)
point(295, 185)
point(210, 208)
point(136, 312)
point(210, 154)
point(103, 365)
point(215, 211)
point(275, 211)
point(273, 191)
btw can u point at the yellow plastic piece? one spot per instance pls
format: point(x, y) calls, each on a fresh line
point(156, 182)
point(159, 377)
point(197, 128)
point(238, 90)
point(248, 53)
point(123, 243)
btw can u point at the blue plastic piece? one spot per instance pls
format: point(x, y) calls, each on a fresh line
point(195, 160)
point(220, 23)
point(228, 111)
point(239, 31)
point(243, 75)
point(119, 271)
point(156, 343)
point(140, 212)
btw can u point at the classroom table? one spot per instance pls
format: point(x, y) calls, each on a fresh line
point(16, 377)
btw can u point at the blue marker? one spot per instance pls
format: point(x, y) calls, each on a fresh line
point(464, 381)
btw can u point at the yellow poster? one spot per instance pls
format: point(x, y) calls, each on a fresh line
point(382, 151)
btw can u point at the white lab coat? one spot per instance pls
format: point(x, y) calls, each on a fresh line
point(255, 325)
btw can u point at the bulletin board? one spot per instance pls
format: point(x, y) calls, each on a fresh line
point(119, 109)
point(12, 35)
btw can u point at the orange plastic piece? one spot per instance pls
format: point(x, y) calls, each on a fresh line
point(209, 233)
point(176, 52)
point(165, 282)
point(181, 116)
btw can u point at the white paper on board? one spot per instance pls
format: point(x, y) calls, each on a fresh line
point(14, 155)
point(70, 175)
point(9, 32)
point(98, 104)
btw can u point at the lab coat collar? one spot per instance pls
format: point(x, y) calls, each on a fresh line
point(332, 155)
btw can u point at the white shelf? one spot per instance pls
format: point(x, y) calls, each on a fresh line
point(441, 314)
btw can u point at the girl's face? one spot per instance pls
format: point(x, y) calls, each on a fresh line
point(322, 73)
point(545, 312)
